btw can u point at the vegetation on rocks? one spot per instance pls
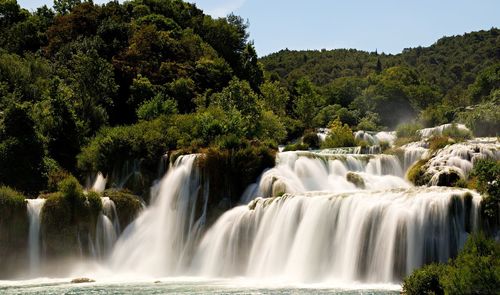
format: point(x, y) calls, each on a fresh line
point(127, 205)
point(476, 270)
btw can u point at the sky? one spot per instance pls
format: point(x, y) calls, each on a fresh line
point(384, 25)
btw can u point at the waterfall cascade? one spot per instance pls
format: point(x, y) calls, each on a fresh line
point(107, 229)
point(369, 236)
point(317, 218)
point(34, 209)
point(160, 241)
point(99, 183)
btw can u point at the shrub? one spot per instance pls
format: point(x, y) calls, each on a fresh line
point(476, 270)
point(311, 139)
point(340, 136)
point(483, 119)
point(409, 130)
point(486, 174)
point(425, 280)
point(416, 173)
point(457, 133)
point(439, 142)
point(296, 147)
point(10, 198)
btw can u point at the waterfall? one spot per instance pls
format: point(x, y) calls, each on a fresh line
point(99, 183)
point(107, 228)
point(34, 209)
point(297, 172)
point(160, 241)
point(369, 236)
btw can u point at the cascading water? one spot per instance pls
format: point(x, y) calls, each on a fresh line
point(333, 218)
point(160, 241)
point(34, 209)
point(99, 184)
point(369, 236)
point(107, 228)
point(298, 172)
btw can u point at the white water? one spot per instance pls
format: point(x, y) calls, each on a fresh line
point(460, 158)
point(99, 183)
point(373, 138)
point(368, 236)
point(325, 229)
point(34, 209)
point(159, 242)
point(107, 228)
point(438, 130)
point(298, 172)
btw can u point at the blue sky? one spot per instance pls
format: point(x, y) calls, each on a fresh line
point(386, 25)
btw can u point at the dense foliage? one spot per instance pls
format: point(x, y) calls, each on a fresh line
point(87, 87)
point(476, 270)
point(457, 78)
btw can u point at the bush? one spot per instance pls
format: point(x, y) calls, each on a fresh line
point(10, 198)
point(483, 119)
point(339, 136)
point(311, 139)
point(476, 270)
point(409, 130)
point(439, 142)
point(416, 173)
point(296, 147)
point(425, 280)
point(457, 133)
point(486, 175)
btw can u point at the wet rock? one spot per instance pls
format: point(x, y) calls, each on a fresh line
point(82, 280)
point(355, 179)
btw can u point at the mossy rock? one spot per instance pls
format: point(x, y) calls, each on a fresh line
point(229, 172)
point(127, 205)
point(14, 227)
point(356, 179)
point(416, 173)
point(68, 219)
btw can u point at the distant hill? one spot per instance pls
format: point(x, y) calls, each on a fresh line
point(452, 62)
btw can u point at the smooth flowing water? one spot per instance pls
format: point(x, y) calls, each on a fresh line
point(335, 222)
point(34, 209)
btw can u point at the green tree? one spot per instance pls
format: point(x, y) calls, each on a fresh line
point(65, 6)
point(21, 151)
point(274, 97)
point(306, 102)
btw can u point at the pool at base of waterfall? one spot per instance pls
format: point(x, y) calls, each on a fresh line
point(188, 286)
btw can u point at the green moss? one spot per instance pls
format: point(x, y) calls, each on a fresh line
point(127, 205)
point(416, 174)
point(67, 215)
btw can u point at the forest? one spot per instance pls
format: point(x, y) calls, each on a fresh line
point(86, 87)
